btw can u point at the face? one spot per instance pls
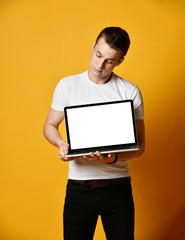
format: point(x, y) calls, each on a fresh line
point(102, 61)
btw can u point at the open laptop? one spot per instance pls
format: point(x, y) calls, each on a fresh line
point(106, 127)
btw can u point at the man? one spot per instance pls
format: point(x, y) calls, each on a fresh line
point(98, 184)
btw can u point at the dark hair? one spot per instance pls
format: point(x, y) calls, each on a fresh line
point(116, 37)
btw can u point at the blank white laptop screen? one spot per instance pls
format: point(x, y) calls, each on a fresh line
point(105, 127)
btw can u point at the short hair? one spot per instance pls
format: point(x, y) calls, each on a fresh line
point(116, 37)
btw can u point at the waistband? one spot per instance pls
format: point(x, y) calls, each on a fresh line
point(100, 183)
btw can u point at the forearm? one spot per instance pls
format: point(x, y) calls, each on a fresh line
point(52, 134)
point(124, 156)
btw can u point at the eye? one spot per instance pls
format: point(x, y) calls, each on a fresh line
point(98, 55)
point(110, 62)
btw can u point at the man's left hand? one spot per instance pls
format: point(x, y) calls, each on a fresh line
point(98, 157)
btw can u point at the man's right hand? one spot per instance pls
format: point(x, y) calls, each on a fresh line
point(63, 150)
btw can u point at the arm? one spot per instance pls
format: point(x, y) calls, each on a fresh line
point(52, 134)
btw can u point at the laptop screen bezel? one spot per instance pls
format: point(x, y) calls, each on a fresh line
point(116, 147)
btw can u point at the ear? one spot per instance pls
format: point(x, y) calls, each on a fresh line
point(120, 61)
point(94, 44)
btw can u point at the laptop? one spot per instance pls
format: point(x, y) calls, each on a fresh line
point(107, 127)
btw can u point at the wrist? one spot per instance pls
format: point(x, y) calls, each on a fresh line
point(60, 142)
point(115, 160)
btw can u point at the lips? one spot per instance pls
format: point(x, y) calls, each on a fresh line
point(98, 70)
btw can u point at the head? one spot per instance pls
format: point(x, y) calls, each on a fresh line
point(108, 52)
point(116, 37)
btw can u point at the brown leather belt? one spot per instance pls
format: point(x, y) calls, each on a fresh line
point(100, 183)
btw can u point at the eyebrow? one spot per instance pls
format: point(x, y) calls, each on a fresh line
point(112, 59)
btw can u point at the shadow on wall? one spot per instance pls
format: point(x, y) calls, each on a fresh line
point(175, 230)
point(159, 180)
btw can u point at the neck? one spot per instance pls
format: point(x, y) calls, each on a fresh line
point(99, 80)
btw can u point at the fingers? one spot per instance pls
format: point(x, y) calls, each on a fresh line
point(62, 155)
point(98, 154)
point(98, 157)
point(63, 150)
point(94, 157)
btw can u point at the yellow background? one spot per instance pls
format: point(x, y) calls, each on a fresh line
point(42, 41)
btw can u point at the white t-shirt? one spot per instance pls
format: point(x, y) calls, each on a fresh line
point(79, 89)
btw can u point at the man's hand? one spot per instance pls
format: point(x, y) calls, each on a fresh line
point(98, 157)
point(63, 150)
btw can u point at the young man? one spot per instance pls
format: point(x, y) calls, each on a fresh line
point(98, 184)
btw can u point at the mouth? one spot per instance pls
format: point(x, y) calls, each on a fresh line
point(98, 70)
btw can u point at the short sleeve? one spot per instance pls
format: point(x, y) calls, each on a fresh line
point(138, 103)
point(59, 96)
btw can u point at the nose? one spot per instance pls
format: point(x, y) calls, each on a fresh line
point(101, 64)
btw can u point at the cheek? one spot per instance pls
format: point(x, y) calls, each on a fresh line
point(92, 61)
point(109, 67)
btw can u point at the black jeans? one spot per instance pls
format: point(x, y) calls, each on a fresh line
point(83, 205)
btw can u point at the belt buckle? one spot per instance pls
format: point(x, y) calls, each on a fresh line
point(88, 183)
point(98, 183)
point(92, 184)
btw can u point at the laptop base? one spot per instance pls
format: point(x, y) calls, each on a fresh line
point(104, 152)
